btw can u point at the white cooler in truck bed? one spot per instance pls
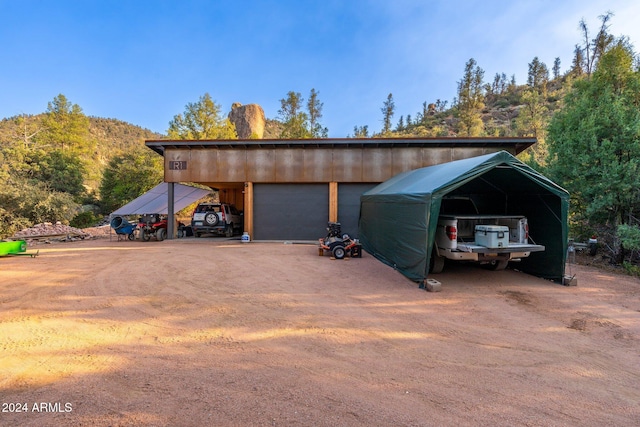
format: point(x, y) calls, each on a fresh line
point(492, 236)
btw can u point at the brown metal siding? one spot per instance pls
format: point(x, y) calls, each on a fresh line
point(308, 164)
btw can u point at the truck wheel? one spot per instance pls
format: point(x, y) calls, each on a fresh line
point(498, 265)
point(161, 234)
point(437, 263)
point(338, 252)
point(131, 236)
point(229, 231)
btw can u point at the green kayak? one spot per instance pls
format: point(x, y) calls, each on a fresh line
point(14, 247)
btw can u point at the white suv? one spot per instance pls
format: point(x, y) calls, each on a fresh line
point(220, 218)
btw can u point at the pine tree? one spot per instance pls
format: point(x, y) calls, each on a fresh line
point(538, 76)
point(361, 131)
point(388, 109)
point(593, 49)
point(594, 144)
point(471, 100)
point(66, 127)
point(295, 121)
point(202, 120)
point(314, 107)
point(556, 68)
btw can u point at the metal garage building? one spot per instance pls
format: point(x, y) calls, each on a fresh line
point(289, 189)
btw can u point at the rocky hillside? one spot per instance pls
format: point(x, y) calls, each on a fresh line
point(116, 135)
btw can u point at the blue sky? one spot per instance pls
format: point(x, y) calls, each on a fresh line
point(142, 61)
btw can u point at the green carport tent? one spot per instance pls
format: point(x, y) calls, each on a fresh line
point(398, 218)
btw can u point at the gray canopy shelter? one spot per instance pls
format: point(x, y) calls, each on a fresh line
point(398, 218)
point(156, 200)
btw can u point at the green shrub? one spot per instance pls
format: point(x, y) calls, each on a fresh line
point(11, 224)
point(84, 220)
point(631, 269)
point(629, 236)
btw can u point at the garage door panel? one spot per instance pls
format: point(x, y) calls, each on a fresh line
point(290, 211)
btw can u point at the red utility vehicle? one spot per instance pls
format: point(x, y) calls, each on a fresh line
point(151, 225)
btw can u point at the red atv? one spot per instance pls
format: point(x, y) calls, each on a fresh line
point(152, 225)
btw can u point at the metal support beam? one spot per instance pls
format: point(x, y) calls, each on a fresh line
point(171, 217)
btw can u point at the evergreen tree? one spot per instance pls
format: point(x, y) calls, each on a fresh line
point(61, 170)
point(314, 107)
point(594, 143)
point(532, 122)
point(388, 109)
point(512, 86)
point(556, 68)
point(129, 175)
point(471, 100)
point(201, 120)
point(538, 76)
point(577, 65)
point(361, 131)
point(593, 49)
point(295, 121)
point(66, 127)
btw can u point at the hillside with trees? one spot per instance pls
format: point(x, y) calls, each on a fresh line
point(52, 164)
point(586, 121)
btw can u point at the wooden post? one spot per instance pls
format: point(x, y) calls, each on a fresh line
point(248, 208)
point(333, 201)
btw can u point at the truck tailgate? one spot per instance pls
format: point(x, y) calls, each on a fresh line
point(513, 247)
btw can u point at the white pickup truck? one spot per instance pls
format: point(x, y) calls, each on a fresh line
point(465, 235)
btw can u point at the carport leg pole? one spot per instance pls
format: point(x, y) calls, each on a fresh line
point(171, 221)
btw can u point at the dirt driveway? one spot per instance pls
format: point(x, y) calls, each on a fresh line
point(196, 332)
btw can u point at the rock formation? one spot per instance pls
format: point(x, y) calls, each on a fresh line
point(248, 119)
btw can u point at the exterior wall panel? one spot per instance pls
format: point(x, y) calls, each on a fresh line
point(289, 165)
point(436, 156)
point(406, 159)
point(376, 165)
point(347, 165)
point(231, 166)
point(261, 165)
point(318, 165)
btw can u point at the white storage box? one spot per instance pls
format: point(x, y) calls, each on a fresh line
point(492, 236)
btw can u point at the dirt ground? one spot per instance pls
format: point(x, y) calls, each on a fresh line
point(195, 332)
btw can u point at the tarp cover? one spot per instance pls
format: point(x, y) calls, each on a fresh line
point(155, 201)
point(398, 218)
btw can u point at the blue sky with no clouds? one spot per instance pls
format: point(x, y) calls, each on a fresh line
point(143, 61)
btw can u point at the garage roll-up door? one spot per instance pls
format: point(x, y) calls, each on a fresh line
point(290, 211)
point(349, 206)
